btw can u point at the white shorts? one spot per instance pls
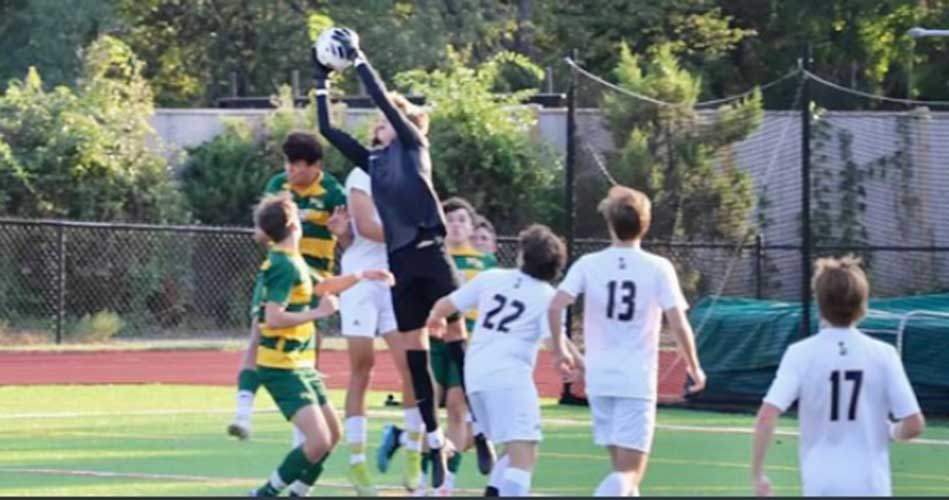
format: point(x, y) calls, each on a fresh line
point(508, 415)
point(365, 310)
point(623, 422)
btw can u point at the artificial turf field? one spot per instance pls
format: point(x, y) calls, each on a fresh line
point(169, 440)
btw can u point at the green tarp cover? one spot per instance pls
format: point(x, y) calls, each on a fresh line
point(741, 341)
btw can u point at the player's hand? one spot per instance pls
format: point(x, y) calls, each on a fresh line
point(436, 327)
point(338, 223)
point(350, 43)
point(698, 381)
point(565, 365)
point(379, 275)
point(762, 486)
point(329, 304)
point(320, 70)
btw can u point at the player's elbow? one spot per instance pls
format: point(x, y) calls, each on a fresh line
point(767, 417)
point(913, 426)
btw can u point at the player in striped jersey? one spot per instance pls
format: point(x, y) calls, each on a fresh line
point(317, 194)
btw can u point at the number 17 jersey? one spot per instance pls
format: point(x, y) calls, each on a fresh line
point(846, 385)
point(625, 290)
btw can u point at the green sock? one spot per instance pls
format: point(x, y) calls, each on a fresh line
point(311, 474)
point(454, 463)
point(292, 468)
point(247, 380)
point(425, 462)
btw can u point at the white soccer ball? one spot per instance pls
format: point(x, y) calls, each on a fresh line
point(330, 52)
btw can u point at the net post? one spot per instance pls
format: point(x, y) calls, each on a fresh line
point(759, 265)
point(60, 280)
point(806, 192)
point(566, 396)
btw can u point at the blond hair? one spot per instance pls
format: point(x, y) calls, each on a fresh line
point(842, 290)
point(414, 113)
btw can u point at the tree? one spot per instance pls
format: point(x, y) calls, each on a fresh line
point(669, 152)
point(85, 154)
point(481, 143)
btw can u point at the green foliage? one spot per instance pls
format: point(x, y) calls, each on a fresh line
point(481, 145)
point(98, 327)
point(89, 153)
point(668, 152)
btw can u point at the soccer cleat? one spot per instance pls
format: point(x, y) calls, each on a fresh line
point(422, 489)
point(239, 428)
point(388, 447)
point(359, 477)
point(412, 469)
point(486, 455)
point(448, 487)
point(439, 467)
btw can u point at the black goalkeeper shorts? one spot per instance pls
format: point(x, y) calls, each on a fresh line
point(424, 273)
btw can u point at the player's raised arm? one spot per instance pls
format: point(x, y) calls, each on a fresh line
point(345, 143)
point(408, 133)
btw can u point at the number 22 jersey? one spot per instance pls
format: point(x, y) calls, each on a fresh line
point(625, 290)
point(512, 322)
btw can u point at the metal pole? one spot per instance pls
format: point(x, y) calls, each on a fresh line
point(295, 83)
point(60, 281)
point(806, 196)
point(759, 264)
point(566, 395)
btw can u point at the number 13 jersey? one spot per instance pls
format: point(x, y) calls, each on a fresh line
point(846, 385)
point(512, 321)
point(625, 290)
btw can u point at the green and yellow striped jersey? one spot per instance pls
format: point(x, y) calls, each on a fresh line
point(318, 245)
point(469, 263)
point(286, 280)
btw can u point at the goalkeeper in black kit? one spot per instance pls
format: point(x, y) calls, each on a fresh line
point(400, 169)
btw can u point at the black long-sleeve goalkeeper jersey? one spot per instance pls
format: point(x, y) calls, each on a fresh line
point(401, 172)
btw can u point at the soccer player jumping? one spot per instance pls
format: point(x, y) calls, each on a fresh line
point(401, 174)
point(627, 291)
point(847, 386)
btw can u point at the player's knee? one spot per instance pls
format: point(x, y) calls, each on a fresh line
point(455, 404)
point(316, 446)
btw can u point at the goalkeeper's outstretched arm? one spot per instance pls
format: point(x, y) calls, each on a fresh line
point(408, 133)
point(342, 141)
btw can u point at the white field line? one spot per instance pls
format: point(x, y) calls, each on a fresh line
point(556, 422)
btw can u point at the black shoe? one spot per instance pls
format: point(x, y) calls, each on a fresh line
point(439, 466)
point(486, 455)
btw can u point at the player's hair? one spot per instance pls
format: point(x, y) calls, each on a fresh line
point(414, 113)
point(842, 290)
point(544, 253)
point(302, 146)
point(274, 216)
point(627, 211)
point(458, 203)
point(481, 222)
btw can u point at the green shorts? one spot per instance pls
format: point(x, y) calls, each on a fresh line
point(446, 373)
point(293, 389)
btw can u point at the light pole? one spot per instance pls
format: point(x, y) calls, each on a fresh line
point(916, 33)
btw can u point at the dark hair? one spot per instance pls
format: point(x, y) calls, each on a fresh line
point(302, 146)
point(272, 216)
point(544, 254)
point(482, 222)
point(627, 211)
point(457, 203)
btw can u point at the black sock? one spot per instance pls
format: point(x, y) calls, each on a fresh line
point(423, 387)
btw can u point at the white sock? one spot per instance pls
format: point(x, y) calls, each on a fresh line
point(633, 491)
point(613, 485)
point(245, 404)
point(300, 488)
point(276, 482)
point(517, 483)
point(356, 438)
point(298, 437)
point(435, 439)
point(496, 479)
point(414, 428)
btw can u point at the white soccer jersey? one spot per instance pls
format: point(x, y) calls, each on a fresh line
point(846, 385)
point(364, 253)
point(512, 321)
point(625, 290)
